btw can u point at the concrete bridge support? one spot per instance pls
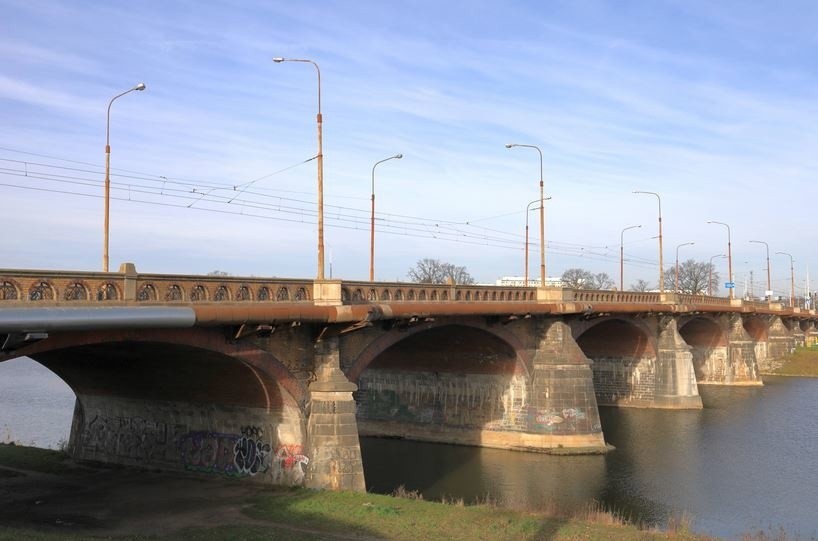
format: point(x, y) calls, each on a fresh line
point(640, 363)
point(332, 430)
point(676, 386)
point(779, 342)
point(524, 385)
point(741, 367)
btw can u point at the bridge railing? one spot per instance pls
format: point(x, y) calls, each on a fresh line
point(366, 292)
point(704, 299)
point(598, 295)
point(76, 287)
point(127, 286)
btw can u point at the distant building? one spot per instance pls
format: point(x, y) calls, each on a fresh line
point(519, 281)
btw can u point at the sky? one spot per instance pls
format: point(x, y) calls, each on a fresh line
point(710, 104)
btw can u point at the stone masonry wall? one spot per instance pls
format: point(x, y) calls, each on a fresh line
point(202, 438)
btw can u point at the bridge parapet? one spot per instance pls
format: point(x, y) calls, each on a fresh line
point(70, 287)
point(598, 295)
point(369, 292)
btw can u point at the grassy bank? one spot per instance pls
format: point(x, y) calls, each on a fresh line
point(259, 512)
point(802, 362)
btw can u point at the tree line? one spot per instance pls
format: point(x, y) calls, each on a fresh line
point(695, 277)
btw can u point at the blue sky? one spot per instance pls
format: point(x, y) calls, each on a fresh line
point(711, 104)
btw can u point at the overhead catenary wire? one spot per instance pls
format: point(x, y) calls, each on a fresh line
point(141, 187)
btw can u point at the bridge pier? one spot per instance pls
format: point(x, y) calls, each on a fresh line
point(741, 366)
point(562, 389)
point(779, 343)
point(332, 430)
point(676, 386)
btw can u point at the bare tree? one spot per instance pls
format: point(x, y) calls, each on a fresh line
point(693, 277)
point(576, 278)
point(583, 279)
point(434, 271)
point(600, 280)
point(640, 285)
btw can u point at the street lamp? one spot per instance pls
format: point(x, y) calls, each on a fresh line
point(372, 221)
point(661, 263)
point(769, 292)
point(622, 256)
point(729, 257)
point(527, 210)
point(710, 274)
point(140, 87)
point(542, 212)
point(676, 280)
point(792, 279)
point(320, 161)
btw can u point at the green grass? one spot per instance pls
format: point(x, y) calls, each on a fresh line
point(371, 515)
point(802, 362)
point(307, 515)
point(34, 459)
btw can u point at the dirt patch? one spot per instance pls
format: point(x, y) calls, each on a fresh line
point(121, 502)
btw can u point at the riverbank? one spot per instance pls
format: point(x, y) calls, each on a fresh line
point(803, 362)
point(45, 496)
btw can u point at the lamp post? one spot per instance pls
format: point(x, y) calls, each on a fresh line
point(792, 278)
point(140, 87)
point(622, 256)
point(320, 160)
point(372, 221)
point(676, 279)
point(661, 263)
point(769, 292)
point(710, 275)
point(542, 212)
point(527, 210)
point(729, 256)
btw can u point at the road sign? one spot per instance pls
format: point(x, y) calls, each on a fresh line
point(729, 285)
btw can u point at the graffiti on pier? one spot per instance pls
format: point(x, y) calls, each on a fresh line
point(235, 455)
point(131, 437)
point(210, 452)
point(288, 468)
point(251, 454)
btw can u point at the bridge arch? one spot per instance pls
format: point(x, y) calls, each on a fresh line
point(757, 328)
point(709, 343)
point(387, 340)
point(459, 382)
point(624, 355)
point(619, 335)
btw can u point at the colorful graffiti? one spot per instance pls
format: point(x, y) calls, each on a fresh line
point(289, 465)
point(235, 455)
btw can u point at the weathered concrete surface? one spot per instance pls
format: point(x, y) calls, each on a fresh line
point(284, 402)
point(332, 428)
point(644, 365)
point(468, 386)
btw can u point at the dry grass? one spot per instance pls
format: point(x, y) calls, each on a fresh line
point(801, 362)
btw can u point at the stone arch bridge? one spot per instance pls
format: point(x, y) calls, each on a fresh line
point(273, 380)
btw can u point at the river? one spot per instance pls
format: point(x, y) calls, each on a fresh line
point(747, 461)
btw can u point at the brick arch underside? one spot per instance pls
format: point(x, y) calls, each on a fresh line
point(193, 365)
point(756, 328)
point(454, 382)
point(703, 332)
point(624, 355)
point(616, 338)
point(446, 347)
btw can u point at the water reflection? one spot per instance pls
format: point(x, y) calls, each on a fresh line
point(745, 462)
point(520, 480)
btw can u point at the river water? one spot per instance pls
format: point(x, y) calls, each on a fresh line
point(748, 461)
